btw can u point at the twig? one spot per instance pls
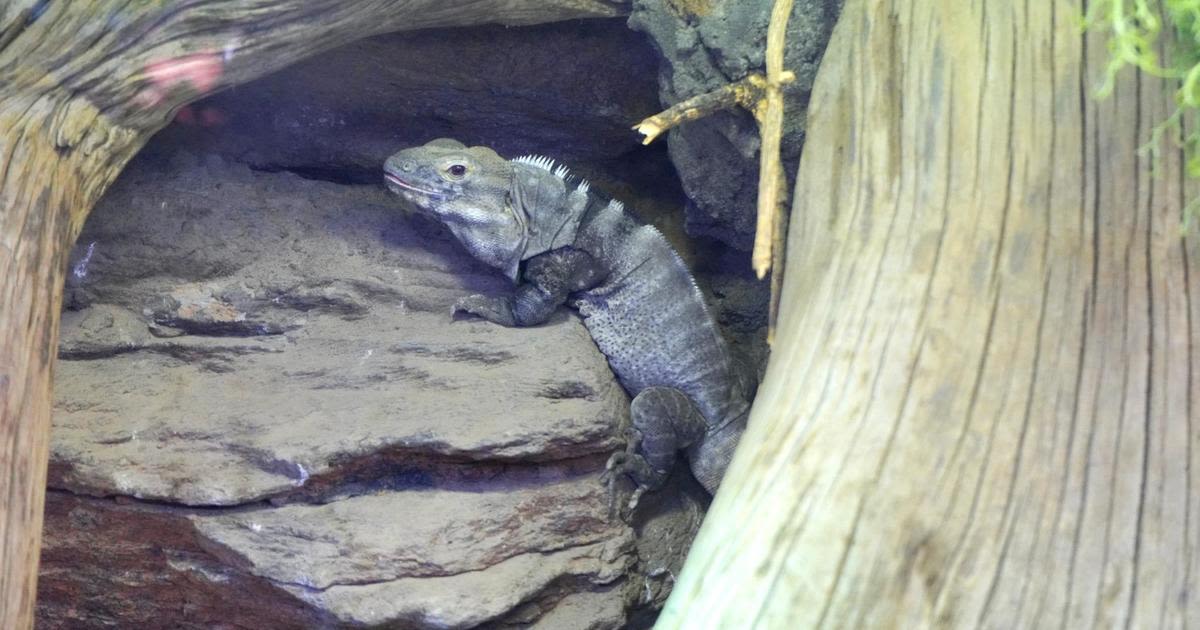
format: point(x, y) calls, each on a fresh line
point(769, 238)
point(771, 180)
point(763, 96)
point(744, 93)
point(778, 252)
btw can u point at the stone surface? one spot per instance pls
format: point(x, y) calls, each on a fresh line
point(572, 90)
point(446, 531)
point(265, 417)
point(321, 333)
point(705, 44)
point(473, 599)
point(447, 558)
point(107, 564)
point(585, 610)
point(270, 361)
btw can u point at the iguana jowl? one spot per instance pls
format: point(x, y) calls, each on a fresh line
point(637, 298)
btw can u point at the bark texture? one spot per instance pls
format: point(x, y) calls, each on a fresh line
point(84, 85)
point(979, 408)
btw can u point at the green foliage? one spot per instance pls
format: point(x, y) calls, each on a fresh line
point(1134, 30)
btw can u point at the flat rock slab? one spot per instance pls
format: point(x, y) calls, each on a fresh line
point(474, 599)
point(262, 402)
point(442, 558)
point(225, 421)
point(110, 564)
point(415, 533)
point(327, 341)
point(503, 554)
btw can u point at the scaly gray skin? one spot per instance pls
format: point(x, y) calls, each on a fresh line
point(636, 297)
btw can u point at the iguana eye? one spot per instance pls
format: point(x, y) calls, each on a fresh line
point(457, 171)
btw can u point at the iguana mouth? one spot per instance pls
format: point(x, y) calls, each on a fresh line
point(403, 184)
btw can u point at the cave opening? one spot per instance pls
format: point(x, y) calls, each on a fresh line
point(264, 413)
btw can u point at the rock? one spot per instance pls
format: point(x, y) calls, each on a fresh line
point(265, 417)
point(423, 532)
point(323, 336)
point(585, 610)
point(440, 558)
point(570, 89)
point(135, 565)
point(704, 45)
point(473, 599)
point(262, 401)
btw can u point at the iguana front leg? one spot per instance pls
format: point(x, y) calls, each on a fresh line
point(528, 306)
point(549, 279)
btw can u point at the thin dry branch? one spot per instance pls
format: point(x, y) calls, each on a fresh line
point(763, 96)
point(771, 180)
point(745, 93)
point(772, 183)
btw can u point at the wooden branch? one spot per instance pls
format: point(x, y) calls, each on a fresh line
point(749, 93)
point(772, 183)
point(84, 85)
point(247, 39)
point(763, 96)
point(40, 192)
point(778, 260)
point(979, 409)
point(744, 93)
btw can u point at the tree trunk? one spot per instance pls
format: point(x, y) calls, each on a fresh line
point(978, 410)
point(84, 84)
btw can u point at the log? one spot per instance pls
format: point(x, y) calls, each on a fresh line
point(84, 85)
point(978, 412)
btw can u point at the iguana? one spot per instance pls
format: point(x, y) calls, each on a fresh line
point(560, 242)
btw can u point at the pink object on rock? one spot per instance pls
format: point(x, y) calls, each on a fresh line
point(199, 71)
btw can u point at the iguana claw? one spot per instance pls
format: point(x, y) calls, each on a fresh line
point(468, 304)
point(495, 310)
point(610, 478)
point(625, 463)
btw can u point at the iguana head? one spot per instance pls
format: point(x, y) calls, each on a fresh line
point(495, 207)
point(466, 189)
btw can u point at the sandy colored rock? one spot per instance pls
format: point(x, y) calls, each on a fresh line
point(473, 599)
point(413, 533)
point(324, 337)
point(585, 610)
point(120, 564)
point(274, 365)
point(433, 557)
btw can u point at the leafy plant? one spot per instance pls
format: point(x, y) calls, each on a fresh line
point(1135, 29)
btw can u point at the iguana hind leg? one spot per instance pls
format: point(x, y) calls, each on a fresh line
point(664, 421)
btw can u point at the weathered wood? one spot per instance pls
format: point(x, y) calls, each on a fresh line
point(978, 412)
point(772, 183)
point(44, 189)
point(82, 86)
